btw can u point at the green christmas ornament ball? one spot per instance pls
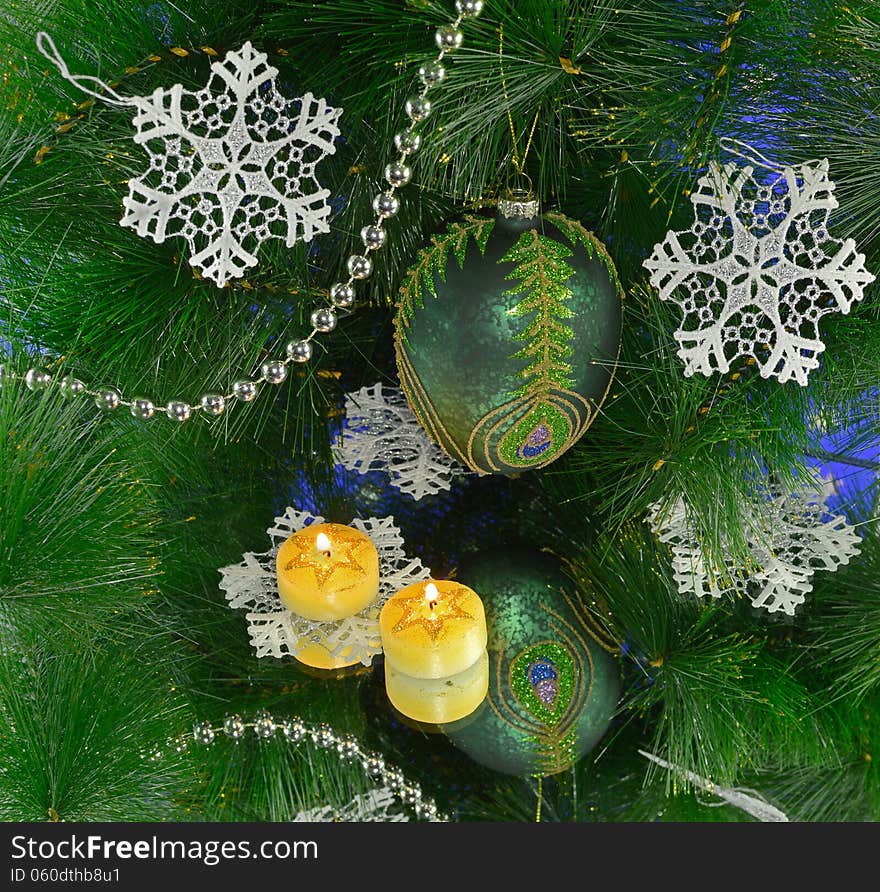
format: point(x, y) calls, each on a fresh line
point(507, 337)
point(553, 684)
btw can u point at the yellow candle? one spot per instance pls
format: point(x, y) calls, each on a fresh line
point(437, 701)
point(319, 657)
point(433, 629)
point(328, 572)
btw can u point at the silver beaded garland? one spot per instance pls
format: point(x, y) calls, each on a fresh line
point(213, 404)
point(373, 238)
point(71, 387)
point(374, 765)
point(299, 351)
point(410, 794)
point(386, 204)
point(37, 379)
point(342, 293)
point(108, 398)
point(348, 748)
point(324, 737)
point(142, 408)
point(178, 410)
point(245, 390)
point(432, 73)
point(407, 142)
point(294, 729)
point(234, 727)
point(274, 371)
point(397, 174)
point(264, 726)
point(359, 267)
point(426, 810)
point(418, 107)
point(468, 9)
point(324, 319)
point(448, 38)
point(203, 733)
point(394, 779)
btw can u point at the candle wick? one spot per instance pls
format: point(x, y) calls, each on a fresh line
point(432, 605)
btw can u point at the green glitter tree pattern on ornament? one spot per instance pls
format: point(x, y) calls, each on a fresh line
point(419, 281)
point(541, 275)
point(508, 364)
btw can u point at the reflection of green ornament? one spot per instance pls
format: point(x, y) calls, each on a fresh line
point(553, 685)
point(507, 337)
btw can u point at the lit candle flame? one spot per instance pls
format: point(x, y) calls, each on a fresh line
point(322, 543)
point(431, 595)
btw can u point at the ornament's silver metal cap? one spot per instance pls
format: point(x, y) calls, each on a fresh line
point(518, 204)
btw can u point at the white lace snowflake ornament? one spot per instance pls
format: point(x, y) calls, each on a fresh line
point(790, 535)
point(275, 631)
point(381, 433)
point(230, 166)
point(376, 806)
point(758, 269)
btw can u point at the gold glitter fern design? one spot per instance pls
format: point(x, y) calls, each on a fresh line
point(577, 234)
point(541, 274)
point(431, 261)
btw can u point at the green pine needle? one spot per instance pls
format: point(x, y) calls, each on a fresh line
point(78, 732)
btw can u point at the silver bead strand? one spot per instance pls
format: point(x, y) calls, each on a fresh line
point(294, 730)
point(397, 173)
point(386, 204)
point(37, 380)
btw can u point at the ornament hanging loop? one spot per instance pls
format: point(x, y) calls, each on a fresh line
point(523, 182)
point(519, 201)
point(105, 92)
point(518, 161)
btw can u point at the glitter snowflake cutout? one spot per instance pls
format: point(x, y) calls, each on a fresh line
point(231, 165)
point(381, 433)
point(758, 269)
point(790, 535)
point(275, 631)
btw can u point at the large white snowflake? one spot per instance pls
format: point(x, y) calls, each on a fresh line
point(275, 631)
point(231, 165)
point(758, 269)
point(790, 535)
point(381, 433)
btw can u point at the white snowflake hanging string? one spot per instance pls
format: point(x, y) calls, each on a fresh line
point(381, 433)
point(758, 268)
point(376, 806)
point(230, 166)
point(790, 535)
point(275, 631)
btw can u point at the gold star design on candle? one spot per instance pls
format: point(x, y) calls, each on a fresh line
point(310, 558)
point(416, 611)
